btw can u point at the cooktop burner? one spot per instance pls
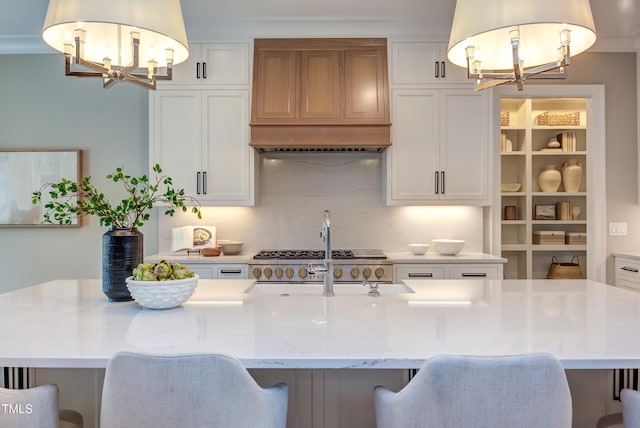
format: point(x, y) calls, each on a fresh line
point(302, 255)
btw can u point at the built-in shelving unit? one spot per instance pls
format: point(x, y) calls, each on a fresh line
point(522, 160)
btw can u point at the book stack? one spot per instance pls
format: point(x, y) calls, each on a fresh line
point(568, 141)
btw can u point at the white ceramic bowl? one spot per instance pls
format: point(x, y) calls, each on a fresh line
point(418, 249)
point(230, 248)
point(162, 294)
point(448, 247)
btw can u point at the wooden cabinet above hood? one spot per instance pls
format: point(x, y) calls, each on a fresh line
point(320, 94)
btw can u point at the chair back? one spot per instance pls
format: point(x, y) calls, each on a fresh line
point(208, 390)
point(29, 408)
point(449, 391)
point(630, 407)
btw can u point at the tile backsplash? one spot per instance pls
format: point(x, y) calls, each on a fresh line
point(295, 189)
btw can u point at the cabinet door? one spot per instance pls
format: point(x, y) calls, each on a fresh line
point(275, 86)
point(225, 64)
point(464, 154)
point(365, 85)
point(320, 85)
point(202, 270)
point(188, 72)
point(175, 140)
point(416, 63)
point(228, 160)
point(413, 158)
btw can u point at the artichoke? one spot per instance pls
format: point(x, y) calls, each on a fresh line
point(163, 270)
point(180, 271)
point(142, 271)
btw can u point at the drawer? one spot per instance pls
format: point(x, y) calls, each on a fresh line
point(231, 272)
point(627, 284)
point(203, 271)
point(419, 272)
point(473, 272)
point(627, 268)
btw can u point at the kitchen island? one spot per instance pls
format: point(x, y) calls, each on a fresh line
point(70, 324)
point(330, 351)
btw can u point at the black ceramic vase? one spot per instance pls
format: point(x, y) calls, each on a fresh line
point(122, 250)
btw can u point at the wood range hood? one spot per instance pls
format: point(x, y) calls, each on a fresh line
point(320, 95)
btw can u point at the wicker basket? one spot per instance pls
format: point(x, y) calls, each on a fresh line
point(504, 118)
point(559, 270)
point(558, 118)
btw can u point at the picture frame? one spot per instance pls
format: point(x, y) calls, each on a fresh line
point(23, 172)
point(545, 212)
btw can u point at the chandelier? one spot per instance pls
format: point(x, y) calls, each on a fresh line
point(509, 41)
point(135, 41)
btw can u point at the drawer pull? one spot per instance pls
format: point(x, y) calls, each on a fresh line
point(230, 271)
point(630, 269)
point(421, 275)
point(474, 275)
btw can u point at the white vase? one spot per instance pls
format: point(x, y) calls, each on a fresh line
point(550, 179)
point(571, 175)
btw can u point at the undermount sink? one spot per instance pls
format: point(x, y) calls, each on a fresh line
point(316, 289)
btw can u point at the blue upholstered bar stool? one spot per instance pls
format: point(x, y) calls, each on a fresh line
point(35, 408)
point(449, 391)
point(206, 390)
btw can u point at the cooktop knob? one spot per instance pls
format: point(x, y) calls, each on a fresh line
point(289, 272)
point(278, 272)
point(302, 272)
point(256, 273)
point(268, 272)
point(355, 272)
point(337, 273)
point(366, 272)
point(379, 272)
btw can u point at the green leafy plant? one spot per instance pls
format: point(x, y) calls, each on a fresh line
point(70, 200)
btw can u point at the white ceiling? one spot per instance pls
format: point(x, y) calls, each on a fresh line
point(617, 21)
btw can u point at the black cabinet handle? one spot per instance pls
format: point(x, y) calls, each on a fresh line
point(197, 70)
point(634, 270)
point(198, 182)
point(474, 275)
point(204, 70)
point(420, 275)
point(436, 70)
point(442, 73)
point(437, 183)
point(442, 183)
point(204, 183)
point(231, 271)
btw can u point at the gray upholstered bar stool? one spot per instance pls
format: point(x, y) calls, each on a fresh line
point(205, 390)
point(35, 407)
point(630, 415)
point(524, 391)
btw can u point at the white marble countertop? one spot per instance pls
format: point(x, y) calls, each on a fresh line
point(429, 257)
point(70, 323)
point(629, 254)
point(396, 257)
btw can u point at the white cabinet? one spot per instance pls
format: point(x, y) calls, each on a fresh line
point(440, 151)
point(218, 271)
point(201, 140)
point(415, 63)
point(212, 64)
point(446, 271)
point(627, 272)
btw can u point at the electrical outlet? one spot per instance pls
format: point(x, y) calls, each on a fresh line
point(617, 229)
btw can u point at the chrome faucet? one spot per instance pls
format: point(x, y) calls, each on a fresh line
point(327, 270)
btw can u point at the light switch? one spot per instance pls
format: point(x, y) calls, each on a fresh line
point(617, 229)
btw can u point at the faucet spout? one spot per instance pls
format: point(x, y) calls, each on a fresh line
point(327, 289)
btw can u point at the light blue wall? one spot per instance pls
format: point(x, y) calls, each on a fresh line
point(41, 108)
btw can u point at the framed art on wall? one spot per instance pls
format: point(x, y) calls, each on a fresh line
point(23, 172)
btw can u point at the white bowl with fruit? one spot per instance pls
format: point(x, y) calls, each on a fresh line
point(161, 285)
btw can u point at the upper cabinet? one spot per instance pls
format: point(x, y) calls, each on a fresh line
point(440, 148)
point(212, 64)
point(416, 63)
point(320, 92)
